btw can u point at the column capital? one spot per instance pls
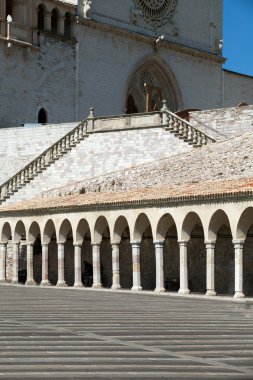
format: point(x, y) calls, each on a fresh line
point(136, 243)
point(116, 245)
point(95, 244)
point(238, 241)
point(77, 245)
point(183, 243)
point(60, 244)
point(44, 244)
point(158, 243)
point(210, 242)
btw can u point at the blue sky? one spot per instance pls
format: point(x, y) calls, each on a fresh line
point(238, 35)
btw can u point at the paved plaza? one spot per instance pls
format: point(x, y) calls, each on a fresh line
point(75, 334)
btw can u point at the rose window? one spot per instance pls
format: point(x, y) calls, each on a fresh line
point(156, 12)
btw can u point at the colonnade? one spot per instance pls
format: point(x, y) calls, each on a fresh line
point(136, 268)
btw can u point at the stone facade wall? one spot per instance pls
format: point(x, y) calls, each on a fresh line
point(42, 78)
point(105, 152)
point(238, 89)
point(19, 146)
point(228, 122)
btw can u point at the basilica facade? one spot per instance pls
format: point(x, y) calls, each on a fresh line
point(60, 57)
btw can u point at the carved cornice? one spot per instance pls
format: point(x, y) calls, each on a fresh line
point(181, 48)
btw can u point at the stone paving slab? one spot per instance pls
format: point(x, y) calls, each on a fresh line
point(65, 334)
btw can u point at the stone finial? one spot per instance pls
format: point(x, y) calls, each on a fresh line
point(91, 114)
point(164, 107)
point(9, 18)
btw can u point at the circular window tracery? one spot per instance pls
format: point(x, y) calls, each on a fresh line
point(156, 12)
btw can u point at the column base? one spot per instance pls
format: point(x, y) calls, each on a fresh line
point(15, 282)
point(239, 295)
point(184, 291)
point(210, 293)
point(136, 288)
point(159, 290)
point(97, 286)
point(30, 282)
point(61, 284)
point(115, 287)
point(78, 285)
point(45, 283)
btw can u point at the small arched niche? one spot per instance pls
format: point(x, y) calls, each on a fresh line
point(42, 116)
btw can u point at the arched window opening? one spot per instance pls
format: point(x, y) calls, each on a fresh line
point(131, 106)
point(8, 8)
point(67, 25)
point(42, 116)
point(40, 15)
point(54, 21)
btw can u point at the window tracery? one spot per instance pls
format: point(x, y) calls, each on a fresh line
point(156, 12)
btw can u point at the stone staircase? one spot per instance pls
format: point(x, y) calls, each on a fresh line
point(163, 119)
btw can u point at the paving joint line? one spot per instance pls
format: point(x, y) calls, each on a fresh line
point(213, 363)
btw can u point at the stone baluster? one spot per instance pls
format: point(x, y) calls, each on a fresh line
point(78, 265)
point(29, 254)
point(30, 172)
point(80, 132)
point(96, 266)
point(45, 281)
point(67, 142)
point(63, 144)
point(35, 167)
point(14, 183)
point(181, 128)
point(136, 246)
point(183, 268)
point(194, 137)
point(175, 126)
point(170, 123)
point(22, 177)
point(210, 268)
point(54, 151)
point(190, 134)
point(203, 139)
point(72, 139)
point(15, 249)
point(61, 277)
point(76, 135)
point(18, 184)
point(164, 110)
point(3, 254)
point(159, 266)
point(185, 132)
point(199, 138)
point(115, 267)
point(238, 247)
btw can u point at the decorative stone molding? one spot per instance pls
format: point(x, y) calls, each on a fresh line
point(157, 12)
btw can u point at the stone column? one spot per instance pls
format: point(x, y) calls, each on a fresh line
point(45, 281)
point(115, 267)
point(78, 266)
point(61, 281)
point(183, 268)
point(47, 23)
point(15, 249)
point(136, 247)
point(3, 251)
point(96, 266)
point(210, 268)
point(238, 247)
point(29, 259)
point(159, 266)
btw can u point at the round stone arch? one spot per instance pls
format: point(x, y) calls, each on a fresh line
point(150, 82)
point(5, 232)
point(19, 232)
point(244, 223)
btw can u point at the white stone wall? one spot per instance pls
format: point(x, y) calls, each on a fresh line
point(45, 77)
point(237, 89)
point(101, 153)
point(19, 146)
point(229, 122)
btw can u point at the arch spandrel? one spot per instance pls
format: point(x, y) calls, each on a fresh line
point(33, 232)
point(100, 226)
point(190, 221)
point(80, 229)
point(141, 224)
point(218, 219)
point(163, 225)
point(244, 223)
point(5, 232)
point(19, 232)
point(120, 225)
point(64, 230)
point(47, 231)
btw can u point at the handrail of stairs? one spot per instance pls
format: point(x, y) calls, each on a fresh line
point(45, 159)
point(183, 129)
